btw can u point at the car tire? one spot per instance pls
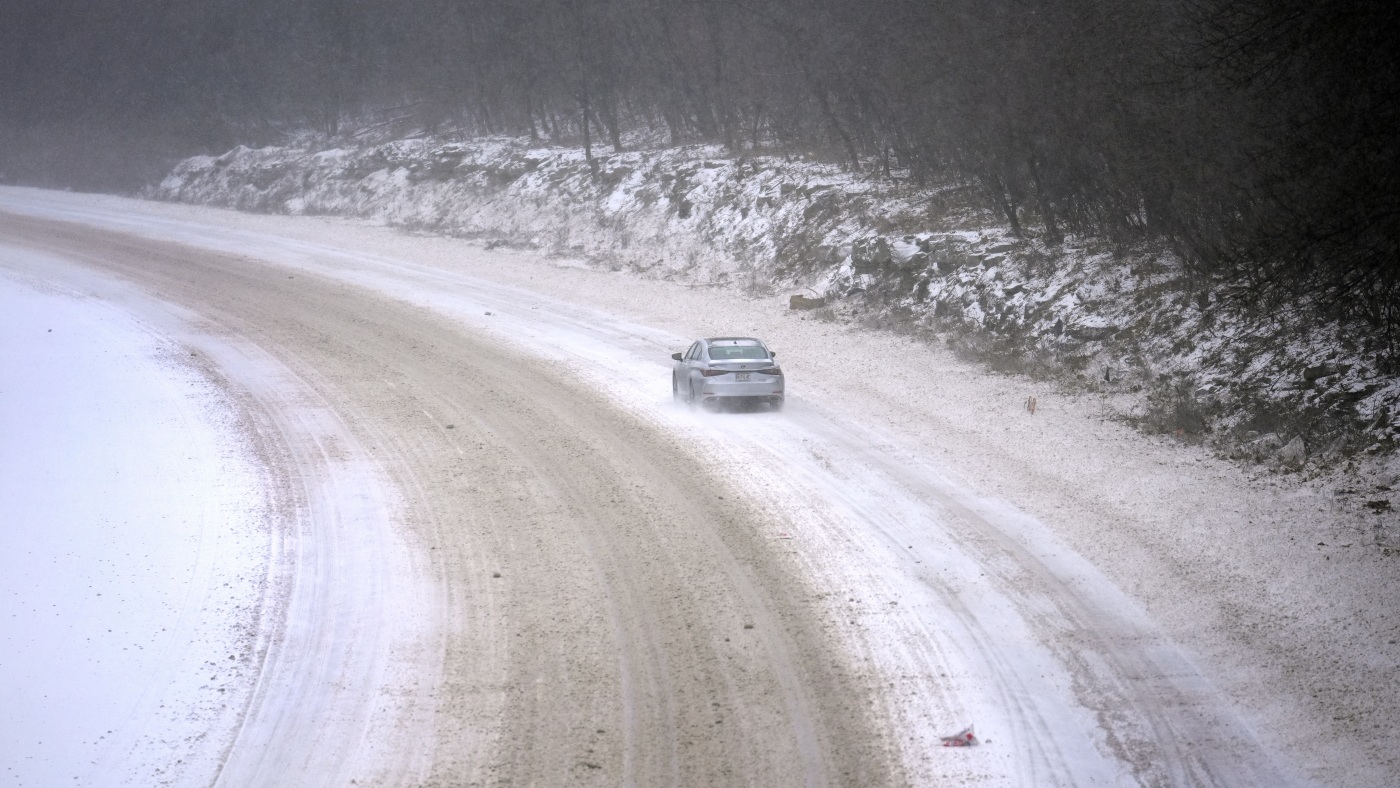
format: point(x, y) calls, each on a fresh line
point(676, 390)
point(775, 405)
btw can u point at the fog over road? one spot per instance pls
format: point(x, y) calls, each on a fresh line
point(506, 557)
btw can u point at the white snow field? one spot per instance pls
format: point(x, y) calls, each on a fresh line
point(470, 539)
point(163, 590)
point(133, 551)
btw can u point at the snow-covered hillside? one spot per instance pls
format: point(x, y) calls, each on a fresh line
point(1171, 352)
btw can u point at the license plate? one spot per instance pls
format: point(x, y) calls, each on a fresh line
point(741, 375)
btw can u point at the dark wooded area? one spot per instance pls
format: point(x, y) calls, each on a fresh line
point(1258, 136)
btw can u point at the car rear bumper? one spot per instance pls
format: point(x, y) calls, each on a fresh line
point(767, 389)
point(769, 392)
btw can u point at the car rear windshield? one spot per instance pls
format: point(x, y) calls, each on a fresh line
point(737, 352)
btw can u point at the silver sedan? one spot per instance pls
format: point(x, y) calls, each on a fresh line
point(721, 370)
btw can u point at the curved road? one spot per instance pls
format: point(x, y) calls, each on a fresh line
point(493, 574)
point(598, 613)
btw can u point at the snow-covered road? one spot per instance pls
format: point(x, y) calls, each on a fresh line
point(492, 549)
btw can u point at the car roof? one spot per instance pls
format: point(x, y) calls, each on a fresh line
point(733, 341)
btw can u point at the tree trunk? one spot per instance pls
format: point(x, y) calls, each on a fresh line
point(1053, 236)
point(997, 190)
point(587, 132)
point(530, 117)
point(607, 115)
point(835, 125)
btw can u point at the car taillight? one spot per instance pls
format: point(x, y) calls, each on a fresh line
point(709, 373)
point(774, 371)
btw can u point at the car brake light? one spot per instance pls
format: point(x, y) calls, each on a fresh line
point(709, 373)
point(774, 371)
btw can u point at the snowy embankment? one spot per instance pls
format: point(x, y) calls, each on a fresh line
point(1167, 351)
point(134, 554)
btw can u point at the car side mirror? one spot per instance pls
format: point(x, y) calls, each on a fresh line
point(676, 356)
point(772, 354)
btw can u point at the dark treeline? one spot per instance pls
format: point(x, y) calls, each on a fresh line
point(1257, 136)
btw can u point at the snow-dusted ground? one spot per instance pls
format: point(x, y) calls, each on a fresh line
point(1106, 609)
point(164, 585)
point(133, 552)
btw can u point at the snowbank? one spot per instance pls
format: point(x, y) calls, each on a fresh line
point(132, 560)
